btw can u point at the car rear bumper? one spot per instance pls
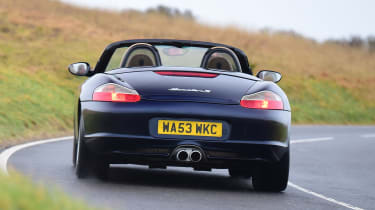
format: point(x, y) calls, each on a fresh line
point(121, 133)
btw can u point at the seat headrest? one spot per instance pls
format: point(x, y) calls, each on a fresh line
point(221, 58)
point(218, 63)
point(141, 54)
point(140, 60)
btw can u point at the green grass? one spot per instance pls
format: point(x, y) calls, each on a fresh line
point(18, 193)
point(37, 92)
point(325, 102)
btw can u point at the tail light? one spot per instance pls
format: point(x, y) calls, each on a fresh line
point(186, 74)
point(115, 93)
point(262, 100)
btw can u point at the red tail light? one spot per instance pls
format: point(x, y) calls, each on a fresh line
point(115, 93)
point(262, 100)
point(186, 74)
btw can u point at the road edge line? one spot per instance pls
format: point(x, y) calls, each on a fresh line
point(314, 193)
point(323, 197)
point(297, 141)
point(7, 153)
point(369, 135)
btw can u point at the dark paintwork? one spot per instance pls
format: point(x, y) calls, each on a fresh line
point(122, 132)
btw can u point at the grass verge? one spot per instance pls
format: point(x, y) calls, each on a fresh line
point(18, 193)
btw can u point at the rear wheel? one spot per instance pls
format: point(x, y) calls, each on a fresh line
point(82, 155)
point(272, 177)
point(74, 159)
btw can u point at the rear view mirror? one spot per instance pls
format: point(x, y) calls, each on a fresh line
point(268, 75)
point(79, 69)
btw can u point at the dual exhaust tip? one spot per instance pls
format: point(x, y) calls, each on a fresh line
point(188, 155)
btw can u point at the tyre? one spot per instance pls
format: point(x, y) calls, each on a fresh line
point(74, 158)
point(74, 153)
point(82, 160)
point(272, 177)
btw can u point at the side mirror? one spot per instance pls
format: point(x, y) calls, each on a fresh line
point(79, 69)
point(268, 75)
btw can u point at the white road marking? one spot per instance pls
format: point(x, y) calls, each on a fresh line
point(369, 135)
point(323, 197)
point(296, 141)
point(314, 193)
point(5, 155)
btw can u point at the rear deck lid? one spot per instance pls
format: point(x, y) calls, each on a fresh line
point(197, 86)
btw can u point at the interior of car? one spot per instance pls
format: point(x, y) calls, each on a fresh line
point(140, 54)
point(216, 58)
point(220, 58)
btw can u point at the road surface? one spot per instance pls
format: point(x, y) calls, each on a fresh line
point(332, 167)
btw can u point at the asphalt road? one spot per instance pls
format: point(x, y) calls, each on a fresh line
point(332, 167)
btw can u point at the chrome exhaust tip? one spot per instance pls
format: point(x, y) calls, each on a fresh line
point(195, 156)
point(182, 155)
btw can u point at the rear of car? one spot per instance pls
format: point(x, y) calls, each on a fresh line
point(185, 116)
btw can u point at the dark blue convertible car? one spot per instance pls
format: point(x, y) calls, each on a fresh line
point(182, 103)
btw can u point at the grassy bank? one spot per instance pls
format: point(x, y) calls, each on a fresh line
point(326, 84)
point(18, 193)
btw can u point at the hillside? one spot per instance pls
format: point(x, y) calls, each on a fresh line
point(326, 83)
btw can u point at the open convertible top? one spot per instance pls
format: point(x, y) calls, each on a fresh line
point(110, 49)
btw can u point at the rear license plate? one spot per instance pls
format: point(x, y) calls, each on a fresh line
point(190, 128)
